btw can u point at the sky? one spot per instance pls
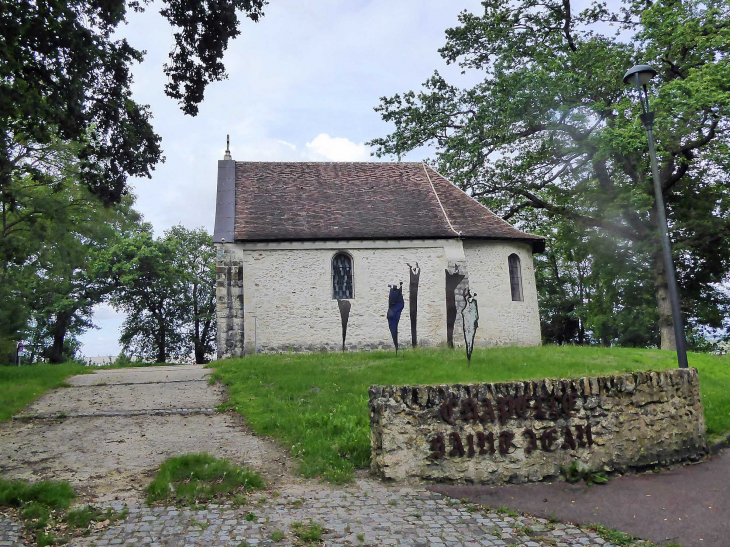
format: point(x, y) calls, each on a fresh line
point(302, 86)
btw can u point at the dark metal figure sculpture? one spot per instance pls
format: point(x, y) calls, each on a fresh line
point(395, 307)
point(413, 300)
point(344, 306)
point(470, 321)
point(452, 281)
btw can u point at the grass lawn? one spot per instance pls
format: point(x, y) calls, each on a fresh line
point(22, 385)
point(316, 404)
point(200, 478)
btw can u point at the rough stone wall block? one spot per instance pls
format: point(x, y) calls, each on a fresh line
point(229, 305)
point(615, 423)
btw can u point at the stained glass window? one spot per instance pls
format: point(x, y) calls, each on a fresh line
point(342, 276)
point(515, 277)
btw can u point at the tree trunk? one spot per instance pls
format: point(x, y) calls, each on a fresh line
point(161, 349)
point(581, 327)
point(55, 352)
point(664, 304)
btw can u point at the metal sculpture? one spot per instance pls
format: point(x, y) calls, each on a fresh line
point(395, 307)
point(470, 321)
point(452, 281)
point(344, 306)
point(415, 273)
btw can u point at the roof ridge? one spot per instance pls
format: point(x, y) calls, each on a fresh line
point(435, 193)
point(478, 203)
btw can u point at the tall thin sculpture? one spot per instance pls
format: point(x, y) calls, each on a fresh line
point(452, 281)
point(470, 321)
point(395, 307)
point(415, 273)
point(344, 306)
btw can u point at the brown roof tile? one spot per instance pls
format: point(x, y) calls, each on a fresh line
point(325, 201)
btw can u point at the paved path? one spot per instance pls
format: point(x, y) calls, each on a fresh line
point(688, 505)
point(119, 425)
point(379, 515)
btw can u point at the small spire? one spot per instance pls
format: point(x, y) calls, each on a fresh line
point(228, 156)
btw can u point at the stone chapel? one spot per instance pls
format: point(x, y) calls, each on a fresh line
point(307, 253)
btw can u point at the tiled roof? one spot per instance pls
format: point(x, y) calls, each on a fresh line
point(326, 201)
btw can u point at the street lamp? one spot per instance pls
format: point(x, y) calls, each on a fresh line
point(638, 77)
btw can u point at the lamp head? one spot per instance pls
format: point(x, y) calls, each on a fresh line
point(639, 76)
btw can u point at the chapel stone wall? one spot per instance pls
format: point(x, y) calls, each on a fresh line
point(284, 300)
point(503, 321)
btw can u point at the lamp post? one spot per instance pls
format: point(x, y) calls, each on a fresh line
point(639, 76)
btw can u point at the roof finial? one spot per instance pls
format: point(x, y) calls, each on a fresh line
point(227, 156)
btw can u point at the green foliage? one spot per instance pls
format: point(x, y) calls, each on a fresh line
point(200, 478)
point(37, 502)
point(307, 533)
point(167, 288)
point(277, 535)
point(575, 473)
point(66, 74)
point(84, 516)
point(613, 536)
point(20, 386)
point(43, 507)
point(47, 538)
point(316, 405)
point(50, 240)
point(71, 135)
point(549, 136)
point(194, 254)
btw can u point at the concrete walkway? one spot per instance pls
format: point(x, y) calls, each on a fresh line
point(117, 426)
point(687, 505)
point(108, 433)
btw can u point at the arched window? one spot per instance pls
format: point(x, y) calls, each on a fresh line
point(515, 277)
point(342, 276)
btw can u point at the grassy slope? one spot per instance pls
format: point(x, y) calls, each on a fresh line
point(316, 405)
point(20, 386)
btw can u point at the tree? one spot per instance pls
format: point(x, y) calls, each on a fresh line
point(167, 288)
point(194, 254)
point(147, 290)
point(551, 128)
point(51, 237)
point(63, 74)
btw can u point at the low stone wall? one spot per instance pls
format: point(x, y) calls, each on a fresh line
point(527, 431)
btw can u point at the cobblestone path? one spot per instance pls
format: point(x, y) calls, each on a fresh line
point(366, 513)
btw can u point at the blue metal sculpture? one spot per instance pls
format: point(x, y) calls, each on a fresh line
point(395, 307)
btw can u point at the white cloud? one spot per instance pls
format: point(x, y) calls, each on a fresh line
point(336, 149)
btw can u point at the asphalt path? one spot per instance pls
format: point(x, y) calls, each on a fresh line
point(687, 505)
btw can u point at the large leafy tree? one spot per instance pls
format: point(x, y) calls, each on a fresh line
point(54, 235)
point(69, 122)
point(551, 132)
point(64, 74)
